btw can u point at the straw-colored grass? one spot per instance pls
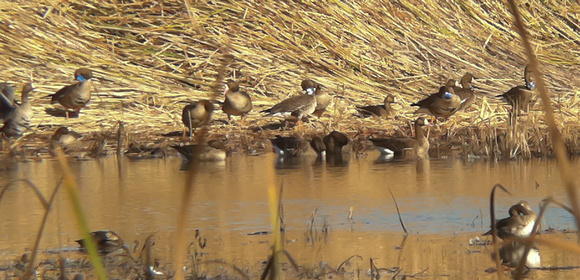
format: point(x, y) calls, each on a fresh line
point(147, 54)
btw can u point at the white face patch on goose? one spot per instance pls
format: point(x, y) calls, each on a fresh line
point(447, 95)
point(310, 90)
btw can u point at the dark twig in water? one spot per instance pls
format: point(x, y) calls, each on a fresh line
point(281, 209)
point(398, 211)
point(347, 260)
point(235, 268)
point(401, 248)
point(268, 269)
point(374, 270)
point(494, 226)
point(37, 192)
point(291, 260)
point(148, 257)
point(30, 268)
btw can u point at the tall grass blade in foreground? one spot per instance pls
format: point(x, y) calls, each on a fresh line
point(180, 243)
point(559, 149)
point(72, 191)
point(277, 248)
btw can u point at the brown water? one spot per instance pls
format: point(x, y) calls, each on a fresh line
point(442, 203)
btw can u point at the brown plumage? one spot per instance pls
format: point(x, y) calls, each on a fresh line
point(18, 117)
point(322, 98)
point(296, 146)
point(63, 137)
point(451, 83)
point(442, 104)
point(465, 92)
point(317, 145)
point(298, 106)
point(75, 96)
point(237, 103)
point(383, 110)
point(107, 241)
point(335, 141)
point(215, 150)
point(521, 97)
point(196, 114)
point(396, 145)
point(519, 224)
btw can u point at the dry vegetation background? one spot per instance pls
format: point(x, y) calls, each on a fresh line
point(151, 56)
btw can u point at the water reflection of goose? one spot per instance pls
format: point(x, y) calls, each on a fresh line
point(337, 148)
point(512, 253)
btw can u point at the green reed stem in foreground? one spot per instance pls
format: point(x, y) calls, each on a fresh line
point(72, 191)
point(559, 149)
point(180, 243)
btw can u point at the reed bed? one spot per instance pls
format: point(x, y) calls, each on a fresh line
point(150, 57)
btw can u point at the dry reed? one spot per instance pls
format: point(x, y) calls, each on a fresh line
point(148, 57)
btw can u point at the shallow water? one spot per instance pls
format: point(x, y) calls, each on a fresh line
point(443, 204)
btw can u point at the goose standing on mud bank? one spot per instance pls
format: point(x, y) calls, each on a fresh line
point(521, 97)
point(519, 224)
point(237, 103)
point(322, 98)
point(442, 104)
point(18, 117)
point(384, 110)
point(298, 106)
point(75, 96)
point(196, 114)
point(397, 145)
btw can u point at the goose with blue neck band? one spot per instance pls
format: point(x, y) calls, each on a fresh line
point(521, 97)
point(442, 104)
point(298, 106)
point(323, 99)
point(75, 96)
